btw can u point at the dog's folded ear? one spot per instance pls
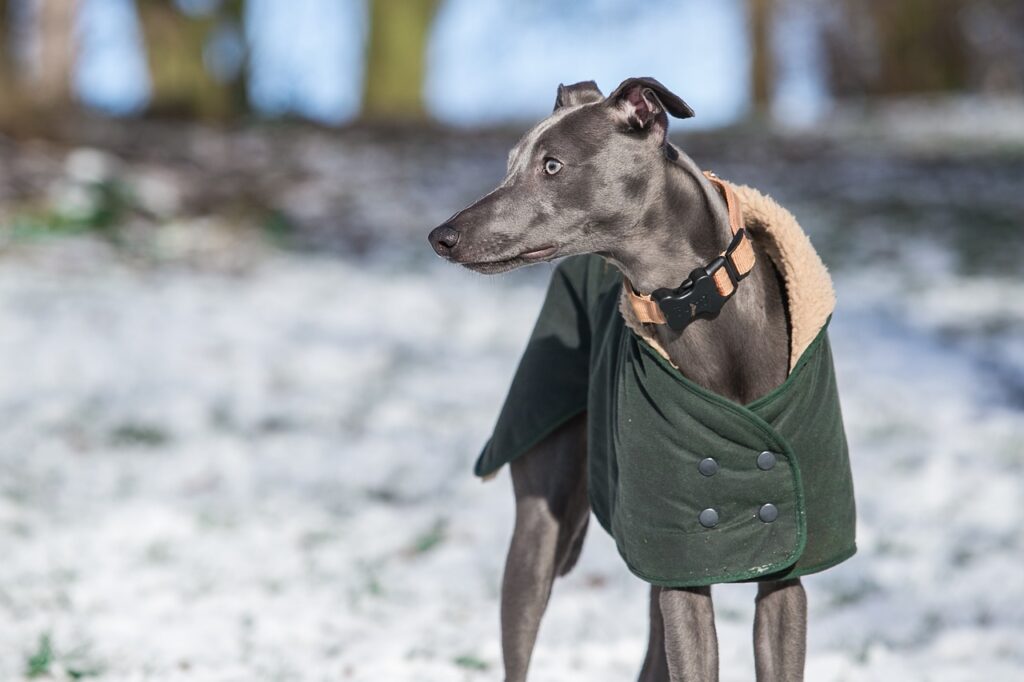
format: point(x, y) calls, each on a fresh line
point(644, 103)
point(585, 92)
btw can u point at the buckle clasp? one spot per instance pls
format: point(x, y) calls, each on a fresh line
point(698, 296)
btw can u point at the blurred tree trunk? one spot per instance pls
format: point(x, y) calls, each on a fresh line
point(396, 59)
point(34, 96)
point(8, 69)
point(55, 45)
point(921, 45)
point(232, 12)
point(12, 93)
point(881, 47)
point(181, 84)
point(762, 66)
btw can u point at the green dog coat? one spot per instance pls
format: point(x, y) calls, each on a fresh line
point(694, 488)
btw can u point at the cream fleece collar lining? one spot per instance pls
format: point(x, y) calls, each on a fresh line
point(809, 291)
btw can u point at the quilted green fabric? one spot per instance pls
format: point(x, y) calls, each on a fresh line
point(648, 429)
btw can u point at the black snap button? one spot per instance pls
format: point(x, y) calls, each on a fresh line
point(708, 518)
point(768, 512)
point(708, 466)
point(766, 460)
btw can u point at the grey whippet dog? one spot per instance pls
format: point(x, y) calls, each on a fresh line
point(599, 176)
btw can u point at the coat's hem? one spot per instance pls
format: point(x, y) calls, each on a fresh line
point(483, 472)
point(749, 575)
point(796, 571)
point(825, 565)
point(784, 573)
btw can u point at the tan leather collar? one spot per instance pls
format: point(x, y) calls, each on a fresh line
point(741, 260)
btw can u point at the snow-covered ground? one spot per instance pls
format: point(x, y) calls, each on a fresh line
point(264, 474)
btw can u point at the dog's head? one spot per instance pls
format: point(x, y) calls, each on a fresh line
point(575, 183)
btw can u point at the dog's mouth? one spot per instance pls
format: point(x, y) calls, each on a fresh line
point(491, 267)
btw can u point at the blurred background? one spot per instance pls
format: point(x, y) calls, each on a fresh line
point(230, 445)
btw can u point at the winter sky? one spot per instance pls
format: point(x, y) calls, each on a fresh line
point(489, 61)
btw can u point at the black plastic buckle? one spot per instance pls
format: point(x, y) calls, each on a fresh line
point(698, 297)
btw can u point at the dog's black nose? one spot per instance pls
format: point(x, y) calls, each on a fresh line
point(444, 239)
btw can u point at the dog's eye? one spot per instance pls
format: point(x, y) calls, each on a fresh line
point(552, 166)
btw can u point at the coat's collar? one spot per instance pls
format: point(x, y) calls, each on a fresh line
point(708, 288)
point(810, 296)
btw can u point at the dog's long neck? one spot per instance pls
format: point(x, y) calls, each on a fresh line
point(744, 352)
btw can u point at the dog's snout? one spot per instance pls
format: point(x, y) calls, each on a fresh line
point(444, 239)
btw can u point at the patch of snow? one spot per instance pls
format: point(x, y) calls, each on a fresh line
point(266, 475)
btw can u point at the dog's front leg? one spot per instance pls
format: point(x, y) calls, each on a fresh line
point(552, 511)
point(655, 664)
point(691, 641)
point(780, 631)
